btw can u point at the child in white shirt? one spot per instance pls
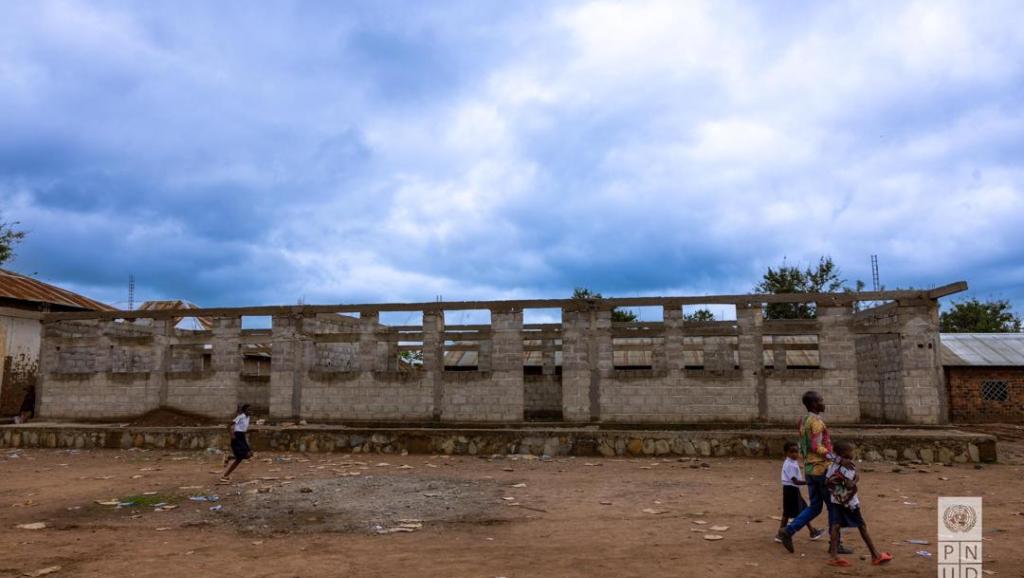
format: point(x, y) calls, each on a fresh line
point(240, 449)
point(792, 498)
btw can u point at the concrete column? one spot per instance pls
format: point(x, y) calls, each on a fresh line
point(750, 322)
point(507, 360)
point(603, 352)
point(433, 356)
point(485, 352)
point(226, 362)
point(576, 363)
point(226, 352)
point(837, 354)
point(163, 335)
point(369, 357)
point(659, 355)
point(548, 362)
point(283, 386)
point(48, 359)
point(675, 360)
point(923, 383)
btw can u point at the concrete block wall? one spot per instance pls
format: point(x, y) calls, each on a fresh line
point(542, 393)
point(923, 384)
point(330, 369)
point(367, 396)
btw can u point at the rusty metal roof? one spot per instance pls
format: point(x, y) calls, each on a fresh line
point(173, 305)
point(22, 288)
point(983, 349)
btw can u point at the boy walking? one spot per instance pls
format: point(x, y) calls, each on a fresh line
point(816, 449)
point(841, 482)
point(792, 498)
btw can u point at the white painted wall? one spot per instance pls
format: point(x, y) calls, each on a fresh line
point(20, 333)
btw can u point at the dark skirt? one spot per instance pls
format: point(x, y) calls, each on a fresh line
point(240, 446)
point(792, 502)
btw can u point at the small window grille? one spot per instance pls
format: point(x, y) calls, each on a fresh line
point(995, 391)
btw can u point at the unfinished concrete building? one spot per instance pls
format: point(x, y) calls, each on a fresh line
point(874, 355)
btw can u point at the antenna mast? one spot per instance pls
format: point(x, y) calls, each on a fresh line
point(131, 292)
point(876, 285)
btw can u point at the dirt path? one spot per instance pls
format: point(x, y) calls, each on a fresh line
point(319, 515)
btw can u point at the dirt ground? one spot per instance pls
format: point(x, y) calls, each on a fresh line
point(385, 515)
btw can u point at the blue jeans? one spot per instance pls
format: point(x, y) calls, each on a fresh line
point(818, 494)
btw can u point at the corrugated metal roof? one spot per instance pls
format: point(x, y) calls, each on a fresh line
point(982, 349)
point(204, 322)
point(23, 288)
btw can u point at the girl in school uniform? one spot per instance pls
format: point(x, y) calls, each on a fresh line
point(240, 449)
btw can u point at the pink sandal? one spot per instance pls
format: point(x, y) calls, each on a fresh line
point(882, 559)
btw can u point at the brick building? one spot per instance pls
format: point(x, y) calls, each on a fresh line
point(984, 376)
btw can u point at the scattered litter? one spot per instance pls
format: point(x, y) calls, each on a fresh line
point(136, 476)
point(395, 530)
point(108, 502)
point(944, 478)
point(165, 508)
point(510, 499)
point(699, 522)
point(520, 485)
point(909, 503)
point(163, 529)
point(148, 493)
point(718, 528)
point(712, 537)
point(43, 571)
point(923, 553)
point(205, 498)
point(405, 467)
point(653, 511)
point(216, 508)
point(383, 465)
point(32, 526)
point(918, 542)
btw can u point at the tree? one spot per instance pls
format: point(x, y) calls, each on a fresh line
point(973, 316)
point(825, 278)
point(699, 316)
point(9, 237)
point(617, 314)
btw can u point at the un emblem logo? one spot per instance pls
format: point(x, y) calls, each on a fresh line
point(959, 518)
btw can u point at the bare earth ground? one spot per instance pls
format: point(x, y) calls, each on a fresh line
point(293, 515)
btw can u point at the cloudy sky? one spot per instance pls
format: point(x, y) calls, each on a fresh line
point(236, 153)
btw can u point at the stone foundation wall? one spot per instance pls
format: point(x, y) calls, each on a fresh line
point(943, 446)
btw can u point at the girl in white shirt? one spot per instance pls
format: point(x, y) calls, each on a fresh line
point(240, 449)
